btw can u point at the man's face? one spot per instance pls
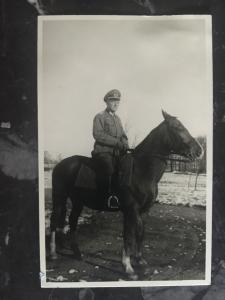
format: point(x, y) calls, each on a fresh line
point(112, 105)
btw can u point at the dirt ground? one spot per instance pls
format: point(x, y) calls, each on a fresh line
point(174, 247)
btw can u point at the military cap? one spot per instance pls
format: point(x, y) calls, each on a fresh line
point(113, 94)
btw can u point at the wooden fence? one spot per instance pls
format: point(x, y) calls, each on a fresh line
point(180, 164)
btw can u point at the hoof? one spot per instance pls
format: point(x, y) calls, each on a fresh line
point(133, 276)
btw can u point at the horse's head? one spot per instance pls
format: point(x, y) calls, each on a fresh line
point(180, 140)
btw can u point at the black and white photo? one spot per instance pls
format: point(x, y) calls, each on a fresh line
point(125, 150)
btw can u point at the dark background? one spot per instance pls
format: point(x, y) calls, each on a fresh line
point(19, 260)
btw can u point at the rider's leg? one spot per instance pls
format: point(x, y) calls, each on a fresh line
point(107, 166)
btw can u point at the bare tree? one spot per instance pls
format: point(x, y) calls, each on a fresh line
point(58, 158)
point(47, 157)
point(201, 164)
point(38, 5)
point(147, 4)
point(127, 129)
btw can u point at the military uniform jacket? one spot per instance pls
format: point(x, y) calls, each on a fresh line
point(107, 132)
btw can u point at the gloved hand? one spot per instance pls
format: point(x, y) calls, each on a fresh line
point(125, 142)
point(121, 146)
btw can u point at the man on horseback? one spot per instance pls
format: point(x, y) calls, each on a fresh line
point(110, 143)
point(137, 192)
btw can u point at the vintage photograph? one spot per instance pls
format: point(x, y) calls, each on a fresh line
point(125, 150)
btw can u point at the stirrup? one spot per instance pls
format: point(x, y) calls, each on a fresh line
point(113, 197)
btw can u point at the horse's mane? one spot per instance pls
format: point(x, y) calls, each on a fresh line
point(151, 141)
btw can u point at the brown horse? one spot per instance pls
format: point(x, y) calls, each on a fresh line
point(149, 164)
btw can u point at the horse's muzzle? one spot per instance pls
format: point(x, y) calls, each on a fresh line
point(195, 151)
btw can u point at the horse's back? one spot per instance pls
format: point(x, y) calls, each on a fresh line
point(68, 168)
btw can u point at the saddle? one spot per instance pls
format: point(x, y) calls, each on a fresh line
point(88, 174)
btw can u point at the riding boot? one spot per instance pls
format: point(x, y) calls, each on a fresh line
point(113, 201)
point(110, 185)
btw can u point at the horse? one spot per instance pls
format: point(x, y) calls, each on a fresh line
point(149, 163)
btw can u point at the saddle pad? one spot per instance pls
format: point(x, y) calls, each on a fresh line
point(86, 178)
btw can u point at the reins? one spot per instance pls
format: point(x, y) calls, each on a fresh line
point(160, 156)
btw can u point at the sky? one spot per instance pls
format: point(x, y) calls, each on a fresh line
point(155, 63)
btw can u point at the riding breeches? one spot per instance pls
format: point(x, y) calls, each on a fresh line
point(106, 163)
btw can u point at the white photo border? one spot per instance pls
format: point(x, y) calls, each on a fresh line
point(207, 281)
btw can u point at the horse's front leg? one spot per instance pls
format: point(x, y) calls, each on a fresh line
point(139, 241)
point(130, 223)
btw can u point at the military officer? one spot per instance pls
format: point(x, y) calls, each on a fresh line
point(110, 142)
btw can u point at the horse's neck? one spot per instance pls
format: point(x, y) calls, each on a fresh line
point(150, 155)
point(156, 143)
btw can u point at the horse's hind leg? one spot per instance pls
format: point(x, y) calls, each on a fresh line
point(53, 253)
point(73, 221)
point(57, 221)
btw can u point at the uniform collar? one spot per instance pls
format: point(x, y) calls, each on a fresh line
point(110, 113)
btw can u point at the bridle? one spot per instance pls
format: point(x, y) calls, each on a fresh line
point(162, 157)
point(159, 156)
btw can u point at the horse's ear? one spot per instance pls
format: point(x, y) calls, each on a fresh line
point(166, 116)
